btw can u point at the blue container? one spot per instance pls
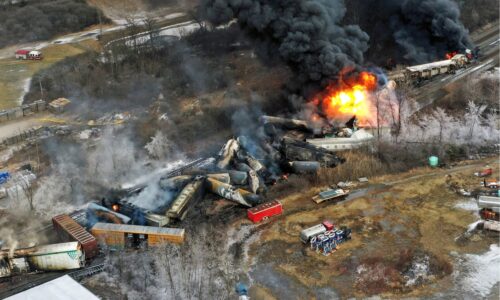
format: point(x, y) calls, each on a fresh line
point(4, 177)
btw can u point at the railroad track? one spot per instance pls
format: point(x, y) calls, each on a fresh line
point(87, 272)
point(46, 277)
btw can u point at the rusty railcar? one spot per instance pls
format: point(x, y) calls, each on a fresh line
point(119, 236)
point(69, 230)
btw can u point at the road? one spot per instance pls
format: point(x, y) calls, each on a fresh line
point(489, 43)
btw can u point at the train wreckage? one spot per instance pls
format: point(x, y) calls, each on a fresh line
point(240, 172)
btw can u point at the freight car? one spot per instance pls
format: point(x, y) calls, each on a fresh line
point(118, 236)
point(426, 71)
point(54, 257)
point(69, 230)
point(264, 211)
point(192, 192)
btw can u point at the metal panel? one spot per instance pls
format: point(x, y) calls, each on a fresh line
point(306, 234)
point(492, 203)
point(64, 256)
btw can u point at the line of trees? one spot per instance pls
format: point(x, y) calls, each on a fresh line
point(42, 20)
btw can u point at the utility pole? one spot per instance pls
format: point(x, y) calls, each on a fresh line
point(41, 89)
point(100, 22)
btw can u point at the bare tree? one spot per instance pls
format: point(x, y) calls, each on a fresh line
point(195, 15)
point(151, 26)
point(27, 187)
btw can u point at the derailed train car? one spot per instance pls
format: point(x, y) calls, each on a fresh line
point(69, 230)
point(426, 71)
point(119, 236)
point(53, 257)
point(192, 192)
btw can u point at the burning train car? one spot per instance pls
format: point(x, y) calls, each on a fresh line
point(427, 71)
point(240, 173)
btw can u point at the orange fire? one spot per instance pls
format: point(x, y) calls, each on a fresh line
point(451, 54)
point(115, 207)
point(349, 97)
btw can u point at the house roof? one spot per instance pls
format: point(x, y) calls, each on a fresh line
point(61, 288)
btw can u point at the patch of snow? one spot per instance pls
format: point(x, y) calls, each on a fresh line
point(470, 205)
point(418, 272)
point(481, 271)
point(174, 15)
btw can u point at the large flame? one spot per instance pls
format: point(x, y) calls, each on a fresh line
point(450, 54)
point(350, 96)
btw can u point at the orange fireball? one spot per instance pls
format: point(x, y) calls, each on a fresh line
point(350, 97)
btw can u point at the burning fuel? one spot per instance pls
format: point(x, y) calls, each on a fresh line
point(450, 55)
point(351, 95)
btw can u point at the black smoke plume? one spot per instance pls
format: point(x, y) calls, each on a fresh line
point(410, 31)
point(306, 35)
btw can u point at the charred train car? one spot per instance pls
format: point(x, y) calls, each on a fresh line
point(427, 71)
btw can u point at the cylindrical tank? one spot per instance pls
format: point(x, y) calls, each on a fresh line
point(238, 177)
point(304, 166)
point(222, 177)
point(433, 161)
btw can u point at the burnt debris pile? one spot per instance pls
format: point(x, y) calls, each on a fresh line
point(241, 172)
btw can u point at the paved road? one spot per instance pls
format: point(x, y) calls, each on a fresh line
point(489, 43)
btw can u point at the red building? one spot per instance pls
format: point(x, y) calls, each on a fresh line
point(264, 211)
point(22, 54)
point(28, 54)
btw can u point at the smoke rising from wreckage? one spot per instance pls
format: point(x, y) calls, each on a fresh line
point(124, 183)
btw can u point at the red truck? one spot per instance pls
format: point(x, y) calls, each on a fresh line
point(491, 183)
point(484, 173)
point(264, 211)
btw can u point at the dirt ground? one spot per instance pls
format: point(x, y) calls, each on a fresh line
point(410, 220)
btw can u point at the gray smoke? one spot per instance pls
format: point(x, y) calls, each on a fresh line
point(410, 31)
point(306, 35)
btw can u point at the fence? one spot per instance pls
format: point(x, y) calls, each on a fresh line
point(21, 137)
point(22, 111)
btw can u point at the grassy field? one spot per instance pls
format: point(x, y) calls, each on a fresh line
point(394, 227)
point(15, 74)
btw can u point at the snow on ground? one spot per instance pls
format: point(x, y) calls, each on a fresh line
point(470, 204)
point(480, 272)
point(176, 30)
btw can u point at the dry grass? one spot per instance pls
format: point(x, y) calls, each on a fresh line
point(15, 73)
point(358, 164)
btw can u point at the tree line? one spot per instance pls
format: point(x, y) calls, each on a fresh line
point(42, 20)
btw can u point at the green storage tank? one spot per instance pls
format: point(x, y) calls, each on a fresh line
point(433, 161)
